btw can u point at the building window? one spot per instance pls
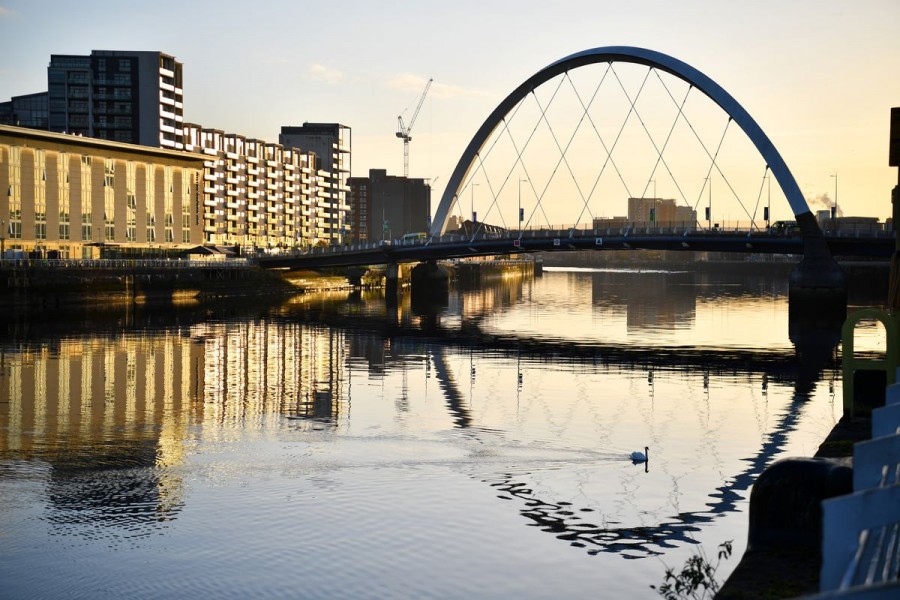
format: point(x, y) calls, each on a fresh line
point(40, 194)
point(185, 208)
point(109, 200)
point(14, 193)
point(151, 202)
point(130, 202)
point(168, 205)
point(87, 232)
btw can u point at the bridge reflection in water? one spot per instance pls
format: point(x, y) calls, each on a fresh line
point(529, 410)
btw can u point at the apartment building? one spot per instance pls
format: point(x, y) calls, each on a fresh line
point(117, 95)
point(67, 196)
point(29, 110)
point(265, 195)
point(331, 143)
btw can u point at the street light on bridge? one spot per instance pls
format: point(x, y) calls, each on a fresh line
point(473, 205)
point(521, 216)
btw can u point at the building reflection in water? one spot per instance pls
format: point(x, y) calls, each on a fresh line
point(130, 405)
point(658, 300)
point(119, 405)
point(254, 368)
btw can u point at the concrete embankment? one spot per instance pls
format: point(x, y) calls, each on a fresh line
point(51, 283)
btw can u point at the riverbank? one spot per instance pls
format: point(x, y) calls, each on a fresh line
point(781, 572)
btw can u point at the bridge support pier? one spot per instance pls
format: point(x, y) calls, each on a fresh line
point(818, 285)
point(391, 280)
point(430, 287)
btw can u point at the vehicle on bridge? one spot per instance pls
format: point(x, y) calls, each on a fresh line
point(784, 228)
point(414, 238)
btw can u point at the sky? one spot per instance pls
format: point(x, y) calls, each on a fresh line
point(819, 76)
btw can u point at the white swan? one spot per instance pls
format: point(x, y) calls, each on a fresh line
point(641, 457)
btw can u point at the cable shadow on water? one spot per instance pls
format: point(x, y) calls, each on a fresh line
point(569, 523)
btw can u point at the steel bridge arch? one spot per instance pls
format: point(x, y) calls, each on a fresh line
point(653, 59)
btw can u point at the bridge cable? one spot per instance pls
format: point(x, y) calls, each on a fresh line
point(577, 128)
point(540, 197)
point(650, 137)
point(668, 139)
point(564, 151)
point(599, 137)
point(484, 171)
point(469, 181)
point(705, 149)
point(712, 162)
point(494, 144)
point(762, 185)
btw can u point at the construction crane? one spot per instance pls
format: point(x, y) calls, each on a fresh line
point(404, 131)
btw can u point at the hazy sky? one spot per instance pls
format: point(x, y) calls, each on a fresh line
point(819, 76)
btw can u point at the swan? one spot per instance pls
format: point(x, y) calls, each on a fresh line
point(641, 457)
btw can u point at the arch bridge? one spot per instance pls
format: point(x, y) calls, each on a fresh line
point(817, 268)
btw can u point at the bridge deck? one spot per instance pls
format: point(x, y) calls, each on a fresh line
point(458, 246)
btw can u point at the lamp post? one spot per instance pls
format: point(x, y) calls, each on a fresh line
point(709, 206)
point(520, 203)
point(768, 199)
point(835, 207)
point(473, 205)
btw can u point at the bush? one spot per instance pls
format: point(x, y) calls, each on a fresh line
point(697, 578)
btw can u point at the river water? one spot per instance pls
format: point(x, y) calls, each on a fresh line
point(337, 446)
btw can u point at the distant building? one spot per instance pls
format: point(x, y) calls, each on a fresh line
point(859, 226)
point(660, 212)
point(610, 222)
point(118, 95)
point(384, 207)
point(29, 110)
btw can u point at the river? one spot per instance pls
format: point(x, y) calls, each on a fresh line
point(337, 446)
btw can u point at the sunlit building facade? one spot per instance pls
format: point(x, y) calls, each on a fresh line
point(67, 196)
point(265, 195)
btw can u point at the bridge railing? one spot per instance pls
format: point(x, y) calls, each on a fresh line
point(122, 263)
point(568, 233)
